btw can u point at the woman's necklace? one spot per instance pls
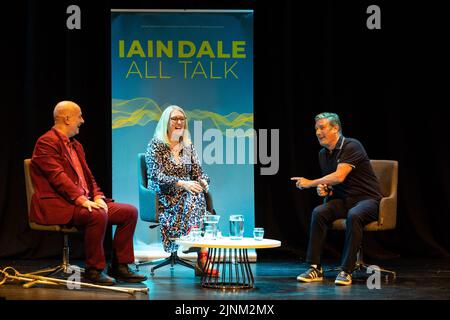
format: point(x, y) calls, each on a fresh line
point(175, 150)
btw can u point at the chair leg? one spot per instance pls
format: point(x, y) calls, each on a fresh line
point(140, 264)
point(361, 265)
point(65, 265)
point(65, 262)
point(48, 270)
point(172, 260)
point(183, 262)
point(162, 264)
point(365, 266)
point(359, 259)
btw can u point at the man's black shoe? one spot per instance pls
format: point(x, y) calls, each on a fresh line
point(122, 272)
point(98, 277)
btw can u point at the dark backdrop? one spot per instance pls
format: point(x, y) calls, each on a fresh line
point(387, 85)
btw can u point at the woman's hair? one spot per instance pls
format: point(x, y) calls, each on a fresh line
point(163, 126)
point(333, 118)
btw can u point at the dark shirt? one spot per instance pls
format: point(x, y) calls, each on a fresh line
point(361, 183)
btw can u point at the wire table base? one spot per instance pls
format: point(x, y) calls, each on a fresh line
point(233, 266)
point(227, 265)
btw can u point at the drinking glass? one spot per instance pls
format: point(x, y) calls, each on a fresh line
point(209, 232)
point(236, 227)
point(211, 220)
point(195, 233)
point(258, 234)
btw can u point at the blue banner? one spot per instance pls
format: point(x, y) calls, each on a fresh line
point(201, 61)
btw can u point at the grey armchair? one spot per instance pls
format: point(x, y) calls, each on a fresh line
point(387, 174)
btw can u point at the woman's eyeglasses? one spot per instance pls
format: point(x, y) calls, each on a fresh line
point(176, 119)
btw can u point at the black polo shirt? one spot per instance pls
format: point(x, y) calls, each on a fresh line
point(361, 183)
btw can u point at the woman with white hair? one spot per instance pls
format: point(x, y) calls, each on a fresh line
point(175, 174)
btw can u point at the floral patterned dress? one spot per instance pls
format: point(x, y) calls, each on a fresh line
point(178, 209)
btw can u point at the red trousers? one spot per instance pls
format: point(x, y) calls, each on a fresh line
point(95, 224)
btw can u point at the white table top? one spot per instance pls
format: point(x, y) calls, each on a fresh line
point(225, 242)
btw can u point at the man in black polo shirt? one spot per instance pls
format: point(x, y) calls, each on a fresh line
point(352, 192)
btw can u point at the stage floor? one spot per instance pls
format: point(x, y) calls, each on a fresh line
point(274, 280)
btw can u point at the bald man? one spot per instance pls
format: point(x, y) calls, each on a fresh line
point(66, 194)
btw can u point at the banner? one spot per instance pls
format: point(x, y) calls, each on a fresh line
point(201, 61)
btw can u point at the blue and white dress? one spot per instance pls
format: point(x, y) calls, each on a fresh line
point(178, 209)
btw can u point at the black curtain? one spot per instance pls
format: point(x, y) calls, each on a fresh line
point(388, 86)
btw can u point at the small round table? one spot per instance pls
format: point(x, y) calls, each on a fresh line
point(230, 258)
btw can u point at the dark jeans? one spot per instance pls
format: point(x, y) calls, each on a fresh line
point(358, 214)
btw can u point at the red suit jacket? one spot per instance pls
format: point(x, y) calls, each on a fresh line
point(55, 180)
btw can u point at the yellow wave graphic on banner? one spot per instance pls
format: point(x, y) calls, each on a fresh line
point(140, 111)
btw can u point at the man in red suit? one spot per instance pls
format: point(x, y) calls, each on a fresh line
point(66, 194)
